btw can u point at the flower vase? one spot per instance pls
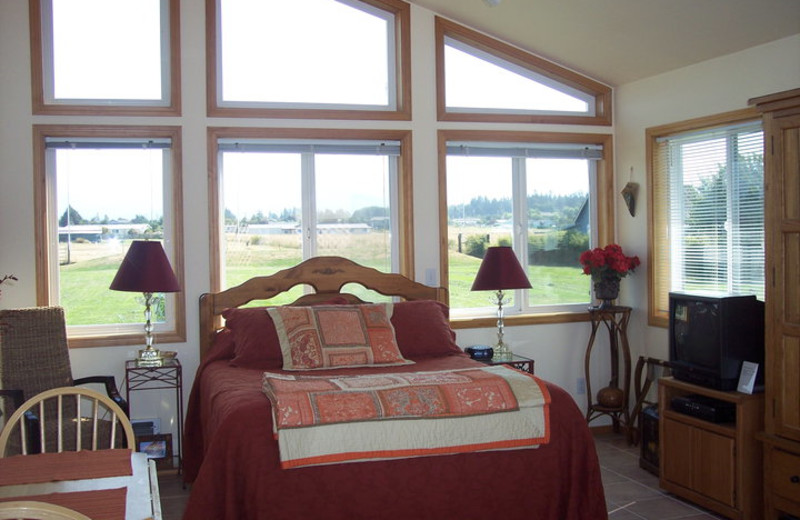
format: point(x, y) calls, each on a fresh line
point(606, 289)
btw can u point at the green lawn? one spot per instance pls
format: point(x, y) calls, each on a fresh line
point(88, 300)
point(550, 284)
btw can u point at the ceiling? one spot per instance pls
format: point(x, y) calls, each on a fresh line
point(620, 41)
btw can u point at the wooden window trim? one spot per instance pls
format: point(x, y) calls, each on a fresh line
point(42, 201)
point(402, 15)
point(657, 211)
point(405, 226)
point(604, 220)
point(40, 107)
point(600, 92)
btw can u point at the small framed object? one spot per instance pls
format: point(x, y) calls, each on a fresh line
point(747, 377)
point(157, 447)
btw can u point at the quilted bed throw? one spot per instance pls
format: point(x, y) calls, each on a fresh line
point(323, 420)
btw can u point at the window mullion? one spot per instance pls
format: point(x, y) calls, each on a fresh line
point(309, 210)
point(394, 212)
point(52, 224)
point(520, 225)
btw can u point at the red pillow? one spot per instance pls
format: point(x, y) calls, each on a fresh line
point(422, 329)
point(256, 342)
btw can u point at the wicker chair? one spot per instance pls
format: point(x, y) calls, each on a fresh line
point(34, 357)
point(34, 510)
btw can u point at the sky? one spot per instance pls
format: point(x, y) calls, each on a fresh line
point(271, 182)
point(491, 177)
point(128, 63)
point(129, 181)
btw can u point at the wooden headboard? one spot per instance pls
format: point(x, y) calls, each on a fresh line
point(325, 274)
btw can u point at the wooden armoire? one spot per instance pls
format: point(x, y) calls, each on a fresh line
point(781, 438)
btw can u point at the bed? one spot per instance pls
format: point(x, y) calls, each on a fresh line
point(232, 458)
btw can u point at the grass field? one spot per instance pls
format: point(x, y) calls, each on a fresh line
point(88, 300)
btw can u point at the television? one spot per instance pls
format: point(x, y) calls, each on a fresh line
point(711, 335)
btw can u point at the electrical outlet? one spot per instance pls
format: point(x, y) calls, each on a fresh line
point(581, 386)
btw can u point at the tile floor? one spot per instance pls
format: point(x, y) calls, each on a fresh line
point(631, 492)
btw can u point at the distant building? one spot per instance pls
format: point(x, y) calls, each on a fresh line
point(293, 228)
point(582, 219)
point(98, 232)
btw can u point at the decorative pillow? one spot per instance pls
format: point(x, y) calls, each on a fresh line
point(334, 336)
point(255, 339)
point(422, 329)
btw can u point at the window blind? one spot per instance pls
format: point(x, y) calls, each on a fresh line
point(526, 150)
point(388, 148)
point(708, 214)
point(93, 143)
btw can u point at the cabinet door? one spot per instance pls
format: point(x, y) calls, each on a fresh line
point(700, 460)
point(782, 201)
point(677, 460)
point(714, 466)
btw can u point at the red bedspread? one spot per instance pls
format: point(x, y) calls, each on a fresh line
point(232, 460)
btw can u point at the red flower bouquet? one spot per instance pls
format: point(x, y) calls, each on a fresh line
point(608, 262)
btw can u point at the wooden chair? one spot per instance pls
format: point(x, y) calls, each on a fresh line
point(34, 510)
point(34, 357)
point(66, 419)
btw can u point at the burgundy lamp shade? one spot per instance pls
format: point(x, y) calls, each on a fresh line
point(500, 270)
point(145, 269)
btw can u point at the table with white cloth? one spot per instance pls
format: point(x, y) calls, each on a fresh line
point(103, 484)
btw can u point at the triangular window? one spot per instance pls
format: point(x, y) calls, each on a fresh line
point(482, 79)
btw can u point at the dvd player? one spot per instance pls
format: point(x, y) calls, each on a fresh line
point(706, 408)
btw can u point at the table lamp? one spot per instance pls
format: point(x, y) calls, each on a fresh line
point(146, 269)
point(500, 270)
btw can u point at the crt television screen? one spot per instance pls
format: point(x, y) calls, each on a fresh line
point(696, 328)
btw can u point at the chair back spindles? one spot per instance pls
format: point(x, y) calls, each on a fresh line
point(23, 436)
point(97, 419)
point(78, 436)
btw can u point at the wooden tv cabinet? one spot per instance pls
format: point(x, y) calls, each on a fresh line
point(717, 466)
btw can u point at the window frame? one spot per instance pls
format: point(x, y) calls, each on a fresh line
point(40, 106)
point(658, 281)
point(601, 93)
point(603, 218)
point(44, 201)
point(402, 54)
point(404, 188)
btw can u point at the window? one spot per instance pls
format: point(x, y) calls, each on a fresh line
point(482, 79)
point(105, 56)
point(346, 58)
point(707, 208)
point(542, 194)
point(282, 200)
point(98, 188)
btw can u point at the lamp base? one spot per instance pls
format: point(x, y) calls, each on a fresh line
point(149, 357)
point(502, 352)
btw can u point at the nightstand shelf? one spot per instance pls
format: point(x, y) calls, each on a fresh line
point(167, 376)
point(516, 361)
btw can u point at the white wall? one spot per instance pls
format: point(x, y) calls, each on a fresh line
point(712, 87)
point(557, 349)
